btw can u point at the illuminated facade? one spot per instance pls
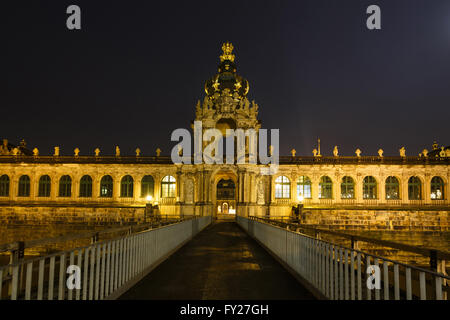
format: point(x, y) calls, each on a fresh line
point(338, 190)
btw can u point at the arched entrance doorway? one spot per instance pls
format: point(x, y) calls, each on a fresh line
point(226, 197)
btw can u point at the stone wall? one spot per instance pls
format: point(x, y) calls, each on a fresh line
point(378, 219)
point(33, 215)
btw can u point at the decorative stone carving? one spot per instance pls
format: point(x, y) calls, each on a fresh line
point(335, 151)
point(314, 152)
point(97, 152)
point(293, 152)
point(35, 152)
point(189, 191)
point(117, 151)
point(15, 151)
point(260, 192)
point(158, 152)
point(56, 153)
point(402, 152)
point(380, 153)
point(442, 153)
point(76, 152)
point(138, 152)
point(358, 152)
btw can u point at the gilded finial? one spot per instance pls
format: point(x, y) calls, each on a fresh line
point(227, 49)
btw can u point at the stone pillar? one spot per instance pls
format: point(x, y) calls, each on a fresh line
point(178, 186)
point(116, 188)
point(75, 187)
point(359, 188)
point(381, 186)
point(315, 189)
point(426, 196)
point(337, 188)
point(157, 188)
point(404, 189)
point(54, 187)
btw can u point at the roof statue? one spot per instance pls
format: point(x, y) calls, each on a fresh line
point(380, 153)
point(293, 152)
point(56, 152)
point(335, 151)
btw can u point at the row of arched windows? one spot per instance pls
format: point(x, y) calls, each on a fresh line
point(168, 184)
point(392, 188)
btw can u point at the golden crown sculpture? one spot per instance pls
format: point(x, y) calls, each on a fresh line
point(227, 49)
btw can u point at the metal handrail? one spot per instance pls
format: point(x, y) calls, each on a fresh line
point(52, 240)
point(442, 255)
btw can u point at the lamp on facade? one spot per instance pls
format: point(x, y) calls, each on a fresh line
point(148, 207)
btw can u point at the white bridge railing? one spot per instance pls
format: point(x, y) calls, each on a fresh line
point(106, 269)
point(336, 272)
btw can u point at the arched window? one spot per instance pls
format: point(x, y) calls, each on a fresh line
point(147, 186)
point(24, 186)
point(168, 184)
point(392, 188)
point(126, 187)
point(4, 186)
point(45, 184)
point(414, 188)
point(304, 187)
point(65, 186)
point(325, 188)
point(347, 188)
point(437, 188)
point(86, 186)
point(282, 188)
point(369, 188)
point(106, 187)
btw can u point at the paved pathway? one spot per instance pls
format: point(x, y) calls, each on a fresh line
point(221, 262)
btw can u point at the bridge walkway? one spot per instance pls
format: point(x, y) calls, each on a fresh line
point(221, 262)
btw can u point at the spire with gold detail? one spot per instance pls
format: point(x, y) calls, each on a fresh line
point(226, 81)
point(227, 48)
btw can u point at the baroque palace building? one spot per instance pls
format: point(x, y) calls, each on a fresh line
point(341, 191)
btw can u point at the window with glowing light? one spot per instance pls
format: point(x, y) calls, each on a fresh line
point(106, 187)
point(282, 188)
point(86, 186)
point(24, 186)
point(437, 188)
point(65, 186)
point(168, 185)
point(369, 188)
point(304, 187)
point(414, 188)
point(126, 187)
point(147, 186)
point(325, 188)
point(347, 188)
point(392, 188)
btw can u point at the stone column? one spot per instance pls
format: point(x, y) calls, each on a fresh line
point(116, 188)
point(359, 188)
point(381, 186)
point(426, 196)
point(337, 188)
point(54, 187)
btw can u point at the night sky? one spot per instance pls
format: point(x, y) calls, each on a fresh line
point(136, 69)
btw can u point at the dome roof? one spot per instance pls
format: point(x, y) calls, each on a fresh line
point(226, 81)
